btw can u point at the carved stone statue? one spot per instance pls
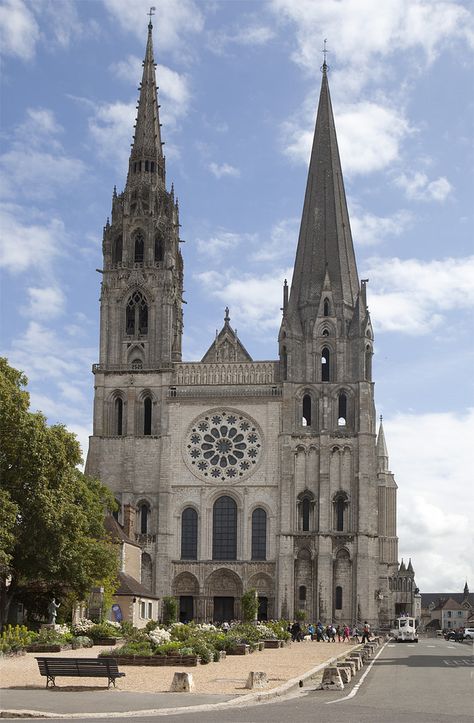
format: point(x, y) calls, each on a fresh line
point(53, 611)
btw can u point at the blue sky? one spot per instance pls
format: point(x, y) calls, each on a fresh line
point(239, 83)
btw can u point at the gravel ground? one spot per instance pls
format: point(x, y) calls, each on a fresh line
point(227, 676)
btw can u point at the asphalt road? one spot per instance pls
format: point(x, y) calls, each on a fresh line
point(428, 682)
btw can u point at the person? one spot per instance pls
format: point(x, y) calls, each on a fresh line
point(355, 633)
point(345, 634)
point(339, 633)
point(366, 632)
point(319, 631)
point(311, 630)
point(296, 632)
point(53, 611)
point(225, 626)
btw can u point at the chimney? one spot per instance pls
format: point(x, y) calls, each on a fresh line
point(129, 515)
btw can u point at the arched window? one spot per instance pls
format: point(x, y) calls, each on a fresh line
point(147, 410)
point(325, 365)
point(342, 409)
point(143, 518)
point(259, 534)
point(326, 307)
point(338, 598)
point(118, 416)
point(139, 248)
point(284, 363)
point(368, 363)
point(224, 529)
point(136, 315)
point(306, 411)
point(159, 246)
point(340, 504)
point(117, 249)
point(137, 364)
point(302, 593)
point(189, 534)
point(305, 514)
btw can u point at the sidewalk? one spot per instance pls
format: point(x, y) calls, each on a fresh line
point(145, 689)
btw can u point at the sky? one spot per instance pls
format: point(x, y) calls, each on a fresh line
point(239, 83)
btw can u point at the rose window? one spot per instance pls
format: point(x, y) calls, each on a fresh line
point(223, 446)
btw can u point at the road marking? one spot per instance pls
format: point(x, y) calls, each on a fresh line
point(355, 689)
point(431, 646)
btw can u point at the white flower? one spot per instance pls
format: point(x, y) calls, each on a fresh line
point(82, 626)
point(159, 636)
point(206, 627)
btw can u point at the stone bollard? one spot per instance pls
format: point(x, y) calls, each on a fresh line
point(345, 671)
point(357, 658)
point(256, 679)
point(331, 679)
point(352, 664)
point(182, 683)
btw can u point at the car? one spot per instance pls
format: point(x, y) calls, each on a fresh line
point(469, 634)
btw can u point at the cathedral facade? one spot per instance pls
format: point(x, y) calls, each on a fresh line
point(232, 473)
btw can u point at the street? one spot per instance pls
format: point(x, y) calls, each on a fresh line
point(428, 682)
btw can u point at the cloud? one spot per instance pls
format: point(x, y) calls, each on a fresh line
point(412, 296)
point(111, 129)
point(36, 166)
point(223, 241)
point(19, 31)
point(250, 34)
point(435, 494)
point(369, 229)
point(282, 241)
point(173, 21)
point(45, 303)
point(224, 169)
point(26, 245)
point(369, 136)
point(418, 187)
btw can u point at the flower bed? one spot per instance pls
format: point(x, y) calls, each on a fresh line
point(272, 643)
point(105, 641)
point(239, 649)
point(40, 648)
point(187, 661)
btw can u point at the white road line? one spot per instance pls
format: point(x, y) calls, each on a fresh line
point(355, 689)
point(431, 646)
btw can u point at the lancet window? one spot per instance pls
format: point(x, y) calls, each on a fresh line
point(259, 534)
point(307, 404)
point(139, 248)
point(189, 534)
point(224, 529)
point(136, 315)
point(117, 250)
point(325, 372)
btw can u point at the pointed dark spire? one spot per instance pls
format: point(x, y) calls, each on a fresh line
point(410, 566)
point(147, 144)
point(466, 590)
point(325, 242)
point(382, 453)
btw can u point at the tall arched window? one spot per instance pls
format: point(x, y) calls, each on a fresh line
point(139, 250)
point(147, 411)
point(338, 598)
point(368, 363)
point(284, 363)
point(306, 411)
point(305, 514)
point(325, 375)
point(117, 248)
point(340, 504)
point(159, 246)
point(136, 315)
point(326, 307)
point(224, 529)
point(189, 534)
point(342, 409)
point(143, 518)
point(302, 593)
point(259, 534)
point(118, 414)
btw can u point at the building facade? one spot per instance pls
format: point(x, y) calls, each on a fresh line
point(233, 473)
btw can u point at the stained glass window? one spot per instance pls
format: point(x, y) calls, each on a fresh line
point(224, 532)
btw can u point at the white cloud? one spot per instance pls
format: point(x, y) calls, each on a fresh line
point(19, 31)
point(111, 128)
point(28, 245)
point(413, 296)
point(224, 169)
point(223, 241)
point(430, 456)
point(282, 241)
point(45, 303)
point(369, 229)
point(249, 34)
point(173, 21)
point(418, 187)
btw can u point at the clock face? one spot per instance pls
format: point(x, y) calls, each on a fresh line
point(223, 445)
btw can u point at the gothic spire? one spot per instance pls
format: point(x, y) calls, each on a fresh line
point(382, 453)
point(147, 153)
point(325, 242)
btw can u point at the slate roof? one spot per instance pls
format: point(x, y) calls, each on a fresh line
point(437, 597)
point(129, 586)
point(116, 531)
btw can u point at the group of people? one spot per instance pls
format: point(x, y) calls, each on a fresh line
point(329, 633)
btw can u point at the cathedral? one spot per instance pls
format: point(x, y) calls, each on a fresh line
point(234, 474)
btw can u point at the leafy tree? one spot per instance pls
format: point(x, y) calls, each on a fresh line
point(53, 536)
point(170, 610)
point(249, 604)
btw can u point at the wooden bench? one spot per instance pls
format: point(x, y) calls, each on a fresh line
point(79, 667)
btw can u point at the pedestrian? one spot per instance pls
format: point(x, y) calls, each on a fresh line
point(339, 633)
point(311, 630)
point(319, 631)
point(366, 632)
point(346, 633)
point(355, 634)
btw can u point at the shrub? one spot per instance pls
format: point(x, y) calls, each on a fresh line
point(279, 627)
point(185, 651)
point(48, 636)
point(142, 649)
point(127, 629)
point(265, 632)
point(249, 603)
point(170, 610)
point(81, 641)
point(167, 648)
point(159, 635)
point(300, 615)
point(246, 633)
point(82, 626)
point(103, 630)
point(16, 637)
point(200, 648)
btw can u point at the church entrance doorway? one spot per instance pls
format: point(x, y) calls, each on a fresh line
point(186, 608)
point(223, 609)
point(262, 608)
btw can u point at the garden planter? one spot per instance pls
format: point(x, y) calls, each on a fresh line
point(272, 643)
point(45, 648)
point(240, 649)
point(187, 661)
point(105, 641)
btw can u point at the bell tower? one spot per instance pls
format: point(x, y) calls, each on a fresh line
point(141, 295)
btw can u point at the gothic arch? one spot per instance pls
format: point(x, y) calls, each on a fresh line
point(144, 507)
point(339, 408)
point(185, 584)
point(340, 504)
point(137, 309)
point(342, 581)
point(117, 416)
point(223, 582)
point(145, 414)
point(305, 505)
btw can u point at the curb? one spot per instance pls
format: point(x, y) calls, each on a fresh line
point(240, 701)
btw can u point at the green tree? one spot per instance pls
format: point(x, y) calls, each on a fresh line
point(249, 605)
point(53, 534)
point(170, 609)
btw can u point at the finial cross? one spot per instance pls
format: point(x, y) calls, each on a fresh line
point(325, 51)
point(151, 13)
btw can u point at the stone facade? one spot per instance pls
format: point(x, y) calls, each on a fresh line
point(244, 474)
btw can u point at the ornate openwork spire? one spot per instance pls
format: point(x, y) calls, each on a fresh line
point(325, 242)
point(146, 156)
point(382, 453)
